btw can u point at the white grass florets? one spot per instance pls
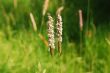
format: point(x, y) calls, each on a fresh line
point(51, 40)
point(59, 27)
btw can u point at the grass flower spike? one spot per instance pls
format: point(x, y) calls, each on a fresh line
point(80, 20)
point(51, 34)
point(59, 32)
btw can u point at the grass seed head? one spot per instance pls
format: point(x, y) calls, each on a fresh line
point(45, 7)
point(80, 20)
point(51, 32)
point(59, 27)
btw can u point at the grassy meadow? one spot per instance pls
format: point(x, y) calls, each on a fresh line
point(24, 47)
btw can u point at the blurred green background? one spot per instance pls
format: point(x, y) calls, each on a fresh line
point(24, 50)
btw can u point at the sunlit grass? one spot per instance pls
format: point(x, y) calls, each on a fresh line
point(25, 52)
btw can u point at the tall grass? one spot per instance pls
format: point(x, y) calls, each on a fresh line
point(25, 51)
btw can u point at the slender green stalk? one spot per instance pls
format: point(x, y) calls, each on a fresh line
point(42, 22)
point(80, 42)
